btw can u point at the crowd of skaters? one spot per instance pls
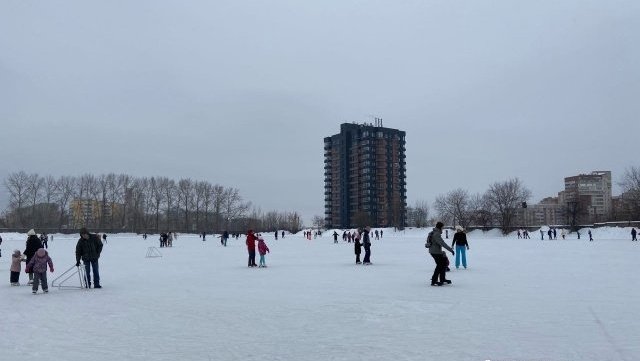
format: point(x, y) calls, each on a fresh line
point(89, 246)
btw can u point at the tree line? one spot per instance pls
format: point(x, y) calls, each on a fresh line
point(497, 207)
point(120, 202)
point(500, 205)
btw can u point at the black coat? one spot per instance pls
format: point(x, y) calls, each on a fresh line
point(89, 249)
point(33, 244)
point(460, 239)
point(357, 246)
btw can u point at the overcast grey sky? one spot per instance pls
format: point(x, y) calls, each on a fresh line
point(241, 93)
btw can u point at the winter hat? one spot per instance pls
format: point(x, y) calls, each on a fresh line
point(41, 252)
point(459, 229)
point(31, 232)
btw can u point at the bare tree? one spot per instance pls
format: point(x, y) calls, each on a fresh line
point(480, 211)
point(294, 223)
point(67, 187)
point(17, 184)
point(233, 206)
point(318, 222)
point(505, 198)
point(630, 185)
point(454, 207)
point(34, 189)
point(185, 200)
point(219, 199)
point(158, 198)
point(420, 213)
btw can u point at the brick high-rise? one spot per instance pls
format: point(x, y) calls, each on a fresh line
point(365, 177)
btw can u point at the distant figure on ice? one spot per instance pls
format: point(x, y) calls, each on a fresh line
point(461, 246)
point(33, 245)
point(357, 248)
point(590, 236)
point(335, 237)
point(377, 234)
point(88, 249)
point(276, 234)
point(204, 236)
point(251, 248)
point(519, 235)
point(38, 265)
point(446, 232)
point(104, 238)
point(525, 233)
point(563, 234)
point(282, 234)
point(541, 234)
point(578, 233)
point(550, 234)
point(381, 233)
point(555, 234)
point(44, 239)
point(263, 250)
point(225, 237)
point(633, 234)
point(434, 244)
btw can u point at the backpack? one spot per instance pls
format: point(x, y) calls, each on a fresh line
point(429, 243)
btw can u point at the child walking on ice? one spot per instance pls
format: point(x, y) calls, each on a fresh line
point(38, 265)
point(16, 258)
point(263, 250)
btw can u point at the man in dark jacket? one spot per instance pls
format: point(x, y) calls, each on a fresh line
point(435, 244)
point(88, 249)
point(33, 245)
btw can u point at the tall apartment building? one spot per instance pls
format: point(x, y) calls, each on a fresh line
point(365, 176)
point(590, 194)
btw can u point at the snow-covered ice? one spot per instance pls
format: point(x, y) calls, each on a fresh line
point(520, 300)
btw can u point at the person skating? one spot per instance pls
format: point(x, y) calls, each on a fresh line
point(366, 243)
point(251, 248)
point(633, 234)
point(590, 236)
point(435, 244)
point(357, 248)
point(263, 250)
point(38, 265)
point(335, 237)
point(88, 249)
point(33, 245)
point(16, 258)
point(461, 246)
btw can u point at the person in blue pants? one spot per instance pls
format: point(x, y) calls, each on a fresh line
point(461, 246)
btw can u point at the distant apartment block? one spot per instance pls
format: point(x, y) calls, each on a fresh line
point(587, 197)
point(590, 194)
point(87, 212)
point(365, 176)
point(550, 211)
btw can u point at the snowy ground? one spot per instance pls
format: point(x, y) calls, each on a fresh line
point(520, 300)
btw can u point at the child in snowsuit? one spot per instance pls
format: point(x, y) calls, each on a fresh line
point(16, 258)
point(38, 265)
point(263, 250)
point(357, 248)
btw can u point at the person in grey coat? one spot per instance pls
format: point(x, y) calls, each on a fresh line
point(435, 244)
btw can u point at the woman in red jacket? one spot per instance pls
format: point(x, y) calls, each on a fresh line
point(251, 247)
